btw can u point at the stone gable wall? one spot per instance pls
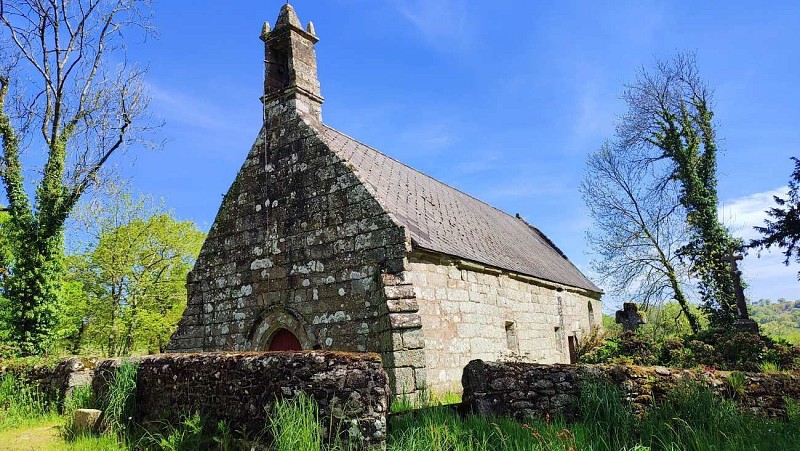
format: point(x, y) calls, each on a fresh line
point(299, 237)
point(299, 243)
point(524, 390)
point(465, 310)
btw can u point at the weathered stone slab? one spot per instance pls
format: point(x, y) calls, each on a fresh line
point(85, 420)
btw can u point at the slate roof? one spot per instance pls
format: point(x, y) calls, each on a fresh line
point(443, 219)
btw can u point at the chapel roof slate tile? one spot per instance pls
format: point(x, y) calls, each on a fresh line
point(443, 219)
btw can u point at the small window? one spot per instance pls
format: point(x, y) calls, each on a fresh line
point(511, 336)
point(591, 316)
point(559, 338)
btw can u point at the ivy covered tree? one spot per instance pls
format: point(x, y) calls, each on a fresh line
point(69, 100)
point(783, 228)
point(670, 120)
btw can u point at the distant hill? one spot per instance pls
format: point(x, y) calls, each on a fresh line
point(778, 319)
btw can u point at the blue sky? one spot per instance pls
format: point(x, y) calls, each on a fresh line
point(503, 100)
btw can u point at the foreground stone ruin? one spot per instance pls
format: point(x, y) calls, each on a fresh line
point(523, 390)
point(352, 389)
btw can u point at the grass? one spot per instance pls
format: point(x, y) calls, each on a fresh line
point(425, 398)
point(21, 403)
point(295, 425)
point(119, 403)
point(691, 418)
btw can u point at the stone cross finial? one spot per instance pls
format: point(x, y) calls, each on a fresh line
point(629, 316)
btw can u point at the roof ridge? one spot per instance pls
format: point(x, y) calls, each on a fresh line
point(420, 172)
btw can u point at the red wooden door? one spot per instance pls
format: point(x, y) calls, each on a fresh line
point(283, 340)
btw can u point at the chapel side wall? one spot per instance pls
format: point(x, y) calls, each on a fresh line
point(298, 240)
point(464, 314)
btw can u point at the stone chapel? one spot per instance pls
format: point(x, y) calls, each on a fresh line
point(323, 242)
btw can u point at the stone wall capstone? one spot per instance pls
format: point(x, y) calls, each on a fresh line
point(524, 390)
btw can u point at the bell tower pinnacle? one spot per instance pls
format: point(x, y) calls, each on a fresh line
point(290, 75)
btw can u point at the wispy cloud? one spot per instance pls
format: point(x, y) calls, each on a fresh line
point(192, 110)
point(479, 162)
point(444, 24)
point(766, 274)
point(431, 136)
point(527, 188)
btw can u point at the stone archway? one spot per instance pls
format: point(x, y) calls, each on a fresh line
point(271, 322)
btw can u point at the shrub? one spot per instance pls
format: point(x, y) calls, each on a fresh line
point(604, 353)
point(741, 350)
point(641, 349)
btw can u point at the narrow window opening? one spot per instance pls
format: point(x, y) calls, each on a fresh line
point(559, 339)
point(591, 316)
point(277, 70)
point(511, 336)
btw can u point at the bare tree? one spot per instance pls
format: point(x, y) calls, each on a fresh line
point(638, 228)
point(67, 90)
point(670, 121)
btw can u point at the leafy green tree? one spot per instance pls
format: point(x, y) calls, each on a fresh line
point(670, 119)
point(65, 90)
point(134, 278)
point(783, 229)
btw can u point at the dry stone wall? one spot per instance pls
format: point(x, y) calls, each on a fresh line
point(473, 312)
point(351, 390)
point(524, 390)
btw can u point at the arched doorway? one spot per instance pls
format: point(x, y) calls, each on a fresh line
point(283, 340)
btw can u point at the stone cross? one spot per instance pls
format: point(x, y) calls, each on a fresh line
point(629, 316)
point(743, 321)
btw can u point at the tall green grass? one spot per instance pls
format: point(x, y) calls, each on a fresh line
point(425, 397)
point(294, 424)
point(22, 403)
point(82, 397)
point(119, 402)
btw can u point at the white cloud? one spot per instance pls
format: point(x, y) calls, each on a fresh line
point(766, 274)
point(744, 213)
